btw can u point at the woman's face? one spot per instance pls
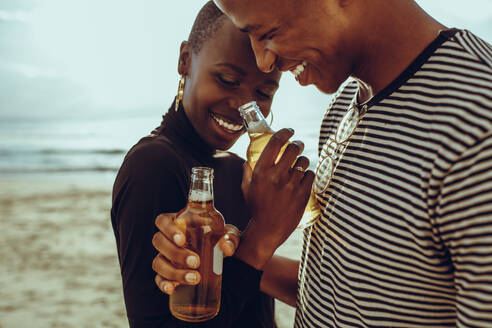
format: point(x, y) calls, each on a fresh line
point(219, 78)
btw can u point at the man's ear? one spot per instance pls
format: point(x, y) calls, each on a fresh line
point(184, 61)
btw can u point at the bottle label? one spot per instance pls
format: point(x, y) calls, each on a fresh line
point(218, 260)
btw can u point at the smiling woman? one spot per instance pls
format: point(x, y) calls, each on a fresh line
point(81, 82)
point(219, 74)
point(220, 77)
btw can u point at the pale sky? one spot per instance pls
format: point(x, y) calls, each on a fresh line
point(107, 57)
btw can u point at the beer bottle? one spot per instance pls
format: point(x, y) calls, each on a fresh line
point(260, 133)
point(203, 226)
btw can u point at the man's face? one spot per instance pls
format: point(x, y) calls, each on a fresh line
point(298, 36)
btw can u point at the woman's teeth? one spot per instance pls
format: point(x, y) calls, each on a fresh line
point(224, 124)
point(299, 69)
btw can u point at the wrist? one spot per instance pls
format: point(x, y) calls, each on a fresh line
point(254, 248)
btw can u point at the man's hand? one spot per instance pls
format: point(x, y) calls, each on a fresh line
point(169, 241)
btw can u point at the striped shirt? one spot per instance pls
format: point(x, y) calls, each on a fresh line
point(405, 239)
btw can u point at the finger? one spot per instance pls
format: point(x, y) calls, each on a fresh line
point(290, 155)
point(298, 169)
point(307, 179)
point(165, 223)
point(173, 253)
point(166, 286)
point(302, 162)
point(272, 149)
point(230, 241)
point(247, 174)
point(232, 230)
point(162, 267)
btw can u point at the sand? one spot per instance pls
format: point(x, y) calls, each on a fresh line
point(58, 264)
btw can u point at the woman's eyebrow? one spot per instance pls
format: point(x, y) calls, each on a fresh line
point(242, 72)
point(235, 68)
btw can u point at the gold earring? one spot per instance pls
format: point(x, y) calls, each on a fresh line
point(271, 116)
point(179, 97)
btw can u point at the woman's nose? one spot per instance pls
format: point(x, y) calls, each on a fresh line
point(239, 98)
point(236, 102)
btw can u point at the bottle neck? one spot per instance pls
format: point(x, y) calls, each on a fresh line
point(201, 192)
point(253, 119)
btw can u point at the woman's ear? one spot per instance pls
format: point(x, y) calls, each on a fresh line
point(184, 58)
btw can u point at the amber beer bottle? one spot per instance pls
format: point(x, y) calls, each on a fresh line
point(203, 226)
point(260, 133)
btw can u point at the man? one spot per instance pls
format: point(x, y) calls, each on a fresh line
point(404, 178)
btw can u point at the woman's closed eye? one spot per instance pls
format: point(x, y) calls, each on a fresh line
point(264, 94)
point(228, 81)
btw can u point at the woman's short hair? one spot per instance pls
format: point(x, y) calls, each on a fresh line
point(207, 22)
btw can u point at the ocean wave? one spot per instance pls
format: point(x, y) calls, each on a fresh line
point(58, 170)
point(10, 152)
point(83, 151)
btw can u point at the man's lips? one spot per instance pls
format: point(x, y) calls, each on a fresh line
point(299, 69)
point(226, 123)
point(295, 69)
point(299, 72)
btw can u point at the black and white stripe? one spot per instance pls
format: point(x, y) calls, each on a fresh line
point(406, 234)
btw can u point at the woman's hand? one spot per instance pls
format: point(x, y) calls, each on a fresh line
point(276, 192)
point(169, 241)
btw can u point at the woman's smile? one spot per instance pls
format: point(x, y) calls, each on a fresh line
point(227, 124)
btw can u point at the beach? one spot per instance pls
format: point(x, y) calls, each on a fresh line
point(58, 262)
point(58, 266)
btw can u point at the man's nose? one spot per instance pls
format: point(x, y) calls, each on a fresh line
point(265, 59)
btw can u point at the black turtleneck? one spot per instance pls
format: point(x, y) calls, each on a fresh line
point(154, 179)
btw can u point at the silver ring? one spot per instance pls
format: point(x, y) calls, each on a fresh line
point(298, 168)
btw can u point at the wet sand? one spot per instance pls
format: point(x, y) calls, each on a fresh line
point(58, 264)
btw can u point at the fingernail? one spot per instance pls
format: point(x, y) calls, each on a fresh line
point(192, 261)
point(178, 239)
point(297, 142)
point(226, 236)
point(190, 277)
point(230, 244)
point(165, 287)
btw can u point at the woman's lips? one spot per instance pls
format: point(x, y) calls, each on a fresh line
point(226, 124)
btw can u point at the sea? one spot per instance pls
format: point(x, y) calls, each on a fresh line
point(50, 146)
point(96, 147)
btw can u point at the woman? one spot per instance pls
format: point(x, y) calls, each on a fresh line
point(219, 74)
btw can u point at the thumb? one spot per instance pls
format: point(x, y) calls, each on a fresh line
point(247, 175)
